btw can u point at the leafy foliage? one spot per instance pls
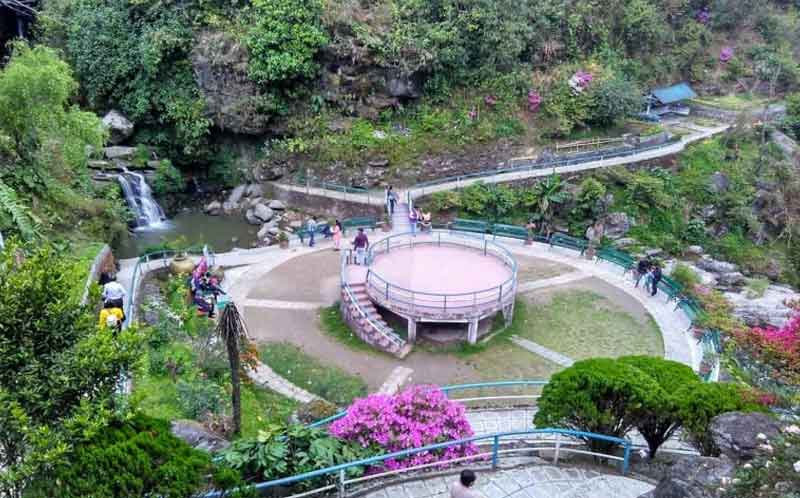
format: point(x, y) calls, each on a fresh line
point(282, 451)
point(168, 179)
point(58, 371)
point(136, 457)
point(284, 40)
point(773, 475)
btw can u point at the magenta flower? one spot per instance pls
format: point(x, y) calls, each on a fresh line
point(534, 100)
point(490, 100)
point(725, 54)
point(417, 417)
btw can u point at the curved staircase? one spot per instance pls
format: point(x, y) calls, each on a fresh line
point(359, 312)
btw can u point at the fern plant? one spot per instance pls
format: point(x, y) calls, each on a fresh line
point(22, 218)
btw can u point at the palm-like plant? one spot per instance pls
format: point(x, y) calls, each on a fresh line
point(231, 330)
point(545, 196)
point(21, 216)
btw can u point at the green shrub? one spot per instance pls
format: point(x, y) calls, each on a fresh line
point(139, 457)
point(284, 40)
point(660, 417)
point(704, 401)
point(685, 276)
point(773, 475)
point(168, 179)
point(600, 395)
point(282, 451)
point(199, 398)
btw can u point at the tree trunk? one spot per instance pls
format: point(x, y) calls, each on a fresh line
point(232, 344)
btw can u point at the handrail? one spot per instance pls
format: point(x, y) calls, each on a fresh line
point(500, 293)
point(384, 331)
point(454, 388)
point(539, 164)
point(341, 469)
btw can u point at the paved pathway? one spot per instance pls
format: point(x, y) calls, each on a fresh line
point(699, 133)
point(540, 481)
point(566, 278)
point(555, 357)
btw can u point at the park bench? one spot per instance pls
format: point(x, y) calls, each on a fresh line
point(305, 232)
point(476, 226)
point(620, 258)
point(512, 231)
point(359, 222)
point(670, 287)
point(691, 308)
point(564, 240)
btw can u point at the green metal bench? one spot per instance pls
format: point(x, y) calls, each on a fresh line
point(617, 257)
point(512, 231)
point(476, 226)
point(563, 240)
point(359, 222)
point(694, 312)
point(670, 287)
point(305, 232)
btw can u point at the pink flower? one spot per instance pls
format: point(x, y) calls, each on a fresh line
point(726, 54)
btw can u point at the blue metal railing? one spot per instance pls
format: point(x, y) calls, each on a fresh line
point(463, 387)
point(559, 446)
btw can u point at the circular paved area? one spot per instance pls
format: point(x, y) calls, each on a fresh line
point(440, 270)
point(540, 481)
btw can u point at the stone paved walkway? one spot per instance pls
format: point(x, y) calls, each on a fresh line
point(552, 282)
point(540, 481)
point(555, 357)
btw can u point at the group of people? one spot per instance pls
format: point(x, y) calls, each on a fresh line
point(420, 220)
point(112, 315)
point(204, 289)
point(650, 271)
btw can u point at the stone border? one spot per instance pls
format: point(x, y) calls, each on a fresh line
point(94, 271)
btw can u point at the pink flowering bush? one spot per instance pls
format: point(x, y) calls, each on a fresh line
point(419, 416)
point(534, 100)
point(776, 346)
point(583, 78)
point(726, 54)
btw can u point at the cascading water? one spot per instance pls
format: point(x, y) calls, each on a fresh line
point(140, 200)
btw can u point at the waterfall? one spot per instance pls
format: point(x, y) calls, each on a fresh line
point(140, 200)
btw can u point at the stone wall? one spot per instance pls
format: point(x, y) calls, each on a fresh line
point(334, 208)
point(104, 261)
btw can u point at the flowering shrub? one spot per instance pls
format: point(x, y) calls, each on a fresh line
point(703, 16)
point(726, 54)
point(776, 346)
point(419, 416)
point(534, 100)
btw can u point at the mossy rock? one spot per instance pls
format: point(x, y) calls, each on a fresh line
point(317, 409)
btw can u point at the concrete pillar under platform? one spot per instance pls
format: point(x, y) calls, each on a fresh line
point(508, 313)
point(472, 331)
point(412, 331)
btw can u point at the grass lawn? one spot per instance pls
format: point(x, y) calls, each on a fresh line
point(328, 382)
point(735, 102)
point(158, 397)
point(582, 324)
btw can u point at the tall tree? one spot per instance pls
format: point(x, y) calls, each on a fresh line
point(231, 330)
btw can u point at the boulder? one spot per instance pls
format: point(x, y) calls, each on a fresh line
point(652, 252)
point(694, 251)
point(718, 183)
point(229, 207)
point(251, 218)
point(295, 224)
point(254, 190)
point(198, 437)
point(263, 213)
point(237, 194)
point(743, 436)
point(708, 212)
point(707, 263)
point(706, 277)
point(119, 152)
point(263, 232)
point(120, 128)
point(379, 163)
point(213, 208)
point(615, 225)
point(274, 231)
point(276, 205)
point(268, 172)
point(402, 87)
point(624, 242)
point(768, 310)
point(731, 279)
point(695, 477)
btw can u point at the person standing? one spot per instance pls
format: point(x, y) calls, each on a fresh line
point(413, 217)
point(312, 230)
point(462, 488)
point(113, 294)
point(361, 244)
point(641, 270)
point(656, 278)
point(391, 199)
point(337, 235)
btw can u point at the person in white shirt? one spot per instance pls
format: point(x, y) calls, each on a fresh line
point(113, 294)
point(463, 487)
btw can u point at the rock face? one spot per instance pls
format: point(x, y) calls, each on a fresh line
point(198, 437)
point(709, 264)
point(119, 127)
point(220, 67)
point(615, 225)
point(251, 218)
point(741, 436)
point(237, 194)
point(276, 205)
point(119, 152)
point(695, 477)
point(718, 183)
point(769, 309)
